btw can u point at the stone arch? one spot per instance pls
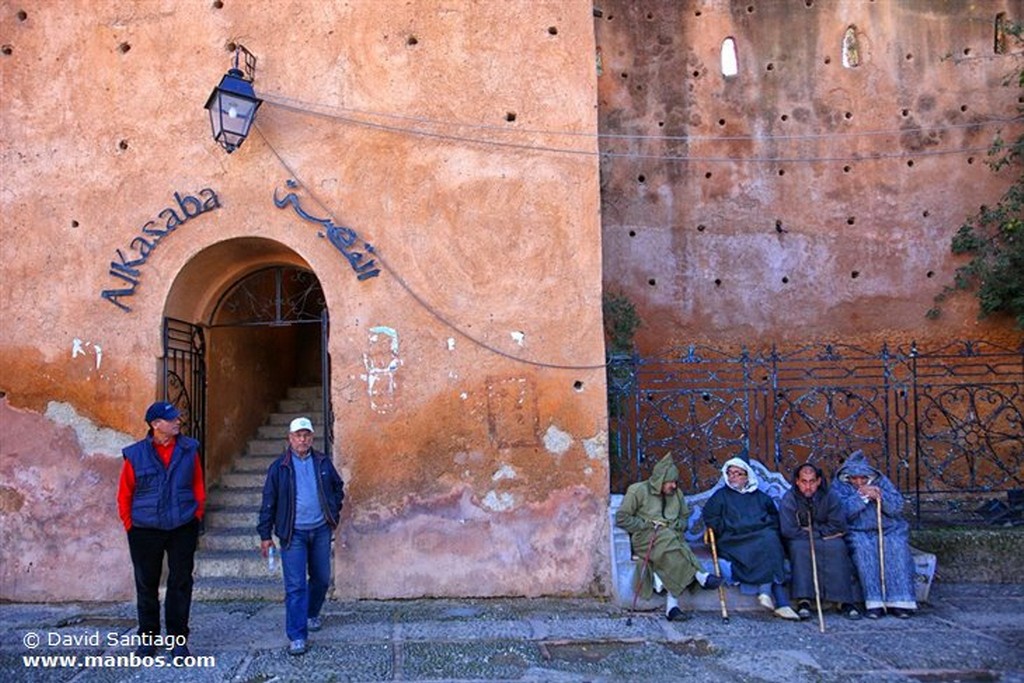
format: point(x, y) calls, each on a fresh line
point(251, 358)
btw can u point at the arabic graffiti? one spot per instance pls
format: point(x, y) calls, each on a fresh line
point(341, 237)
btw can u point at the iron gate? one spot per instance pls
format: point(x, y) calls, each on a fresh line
point(945, 425)
point(184, 377)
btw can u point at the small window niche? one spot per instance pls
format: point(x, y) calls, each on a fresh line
point(851, 48)
point(730, 64)
point(1000, 43)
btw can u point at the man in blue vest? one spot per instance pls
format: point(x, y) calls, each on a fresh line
point(161, 499)
point(301, 504)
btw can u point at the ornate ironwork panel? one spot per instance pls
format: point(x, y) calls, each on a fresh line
point(944, 425)
point(184, 377)
point(272, 296)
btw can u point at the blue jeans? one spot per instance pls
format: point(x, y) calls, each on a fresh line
point(310, 551)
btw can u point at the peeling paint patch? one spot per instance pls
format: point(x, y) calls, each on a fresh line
point(504, 472)
point(381, 362)
point(92, 439)
point(518, 337)
point(597, 447)
point(498, 502)
point(557, 441)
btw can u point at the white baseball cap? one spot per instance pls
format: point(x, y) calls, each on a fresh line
point(300, 423)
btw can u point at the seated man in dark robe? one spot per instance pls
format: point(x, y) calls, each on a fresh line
point(655, 514)
point(746, 525)
point(870, 500)
point(807, 509)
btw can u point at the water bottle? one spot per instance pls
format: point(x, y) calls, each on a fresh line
point(271, 552)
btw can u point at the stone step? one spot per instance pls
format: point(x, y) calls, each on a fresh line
point(316, 417)
point(254, 463)
point(313, 393)
point(279, 432)
point(230, 539)
point(269, 588)
point(242, 479)
point(230, 517)
point(300, 406)
point(235, 563)
point(276, 446)
point(241, 497)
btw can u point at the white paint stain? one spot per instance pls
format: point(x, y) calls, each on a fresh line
point(463, 395)
point(518, 337)
point(596, 447)
point(557, 441)
point(381, 367)
point(504, 472)
point(498, 502)
point(93, 440)
point(451, 343)
point(79, 348)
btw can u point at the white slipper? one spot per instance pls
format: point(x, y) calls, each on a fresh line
point(787, 613)
point(766, 601)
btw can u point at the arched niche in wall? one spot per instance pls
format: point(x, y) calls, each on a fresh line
point(729, 59)
point(851, 48)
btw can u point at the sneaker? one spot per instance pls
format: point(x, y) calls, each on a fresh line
point(297, 647)
point(314, 624)
point(145, 651)
point(900, 613)
point(787, 613)
point(676, 614)
point(712, 582)
point(180, 651)
point(849, 611)
point(766, 601)
point(803, 609)
point(875, 613)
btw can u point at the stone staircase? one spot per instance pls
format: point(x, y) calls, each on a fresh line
point(228, 562)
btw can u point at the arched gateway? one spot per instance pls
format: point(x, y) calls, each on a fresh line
point(236, 338)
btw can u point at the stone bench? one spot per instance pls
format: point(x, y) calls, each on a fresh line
point(625, 563)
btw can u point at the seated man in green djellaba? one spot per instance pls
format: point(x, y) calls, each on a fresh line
point(655, 514)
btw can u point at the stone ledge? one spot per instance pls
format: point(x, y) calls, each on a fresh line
point(985, 555)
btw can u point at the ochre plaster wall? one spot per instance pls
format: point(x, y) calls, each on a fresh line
point(799, 201)
point(467, 387)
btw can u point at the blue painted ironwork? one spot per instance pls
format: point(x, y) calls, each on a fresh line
point(184, 377)
point(945, 425)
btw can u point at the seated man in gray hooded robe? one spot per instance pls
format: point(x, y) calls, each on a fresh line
point(746, 525)
point(655, 514)
point(863, 490)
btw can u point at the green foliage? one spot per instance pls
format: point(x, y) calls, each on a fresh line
point(993, 238)
point(621, 322)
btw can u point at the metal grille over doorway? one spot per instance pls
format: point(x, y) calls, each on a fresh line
point(184, 377)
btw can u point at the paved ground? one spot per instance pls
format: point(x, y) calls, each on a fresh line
point(969, 632)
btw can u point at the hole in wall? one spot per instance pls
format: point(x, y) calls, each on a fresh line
point(577, 385)
point(707, 175)
point(850, 220)
point(782, 171)
point(632, 233)
point(750, 9)
point(123, 145)
point(848, 115)
point(696, 74)
point(74, 224)
point(652, 282)
point(123, 48)
point(721, 122)
point(926, 213)
point(847, 169)
point(553, 30)
point(641, 179)
point(967, 51)
point(7, 49)
point(827, 60)
point(784, 117)
point(718, 282)
point(855, 274)
point(624, 75)
point(910, 163)
point(905, 113)
point(701, 227)
point(970, 160)
point(769, 67)
point(217, 4)
point(930, 273)
point(963, 107)
point(661, 124)
point(909, 56)
point(22, 15)
point(785, 279)
point(412, 40)
point(230, 46)
point(510, 116)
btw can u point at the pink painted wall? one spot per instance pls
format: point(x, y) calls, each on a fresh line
point(473, 468)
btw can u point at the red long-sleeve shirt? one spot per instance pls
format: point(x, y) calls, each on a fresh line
point(126, 485)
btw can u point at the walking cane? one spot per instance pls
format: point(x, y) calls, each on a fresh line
point(709, 538)
point(814, 573)
point(640, 579)
point(881, 546)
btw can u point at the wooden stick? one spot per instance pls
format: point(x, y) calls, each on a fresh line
point(814, 572)
point(709, 533)
point(881, 544)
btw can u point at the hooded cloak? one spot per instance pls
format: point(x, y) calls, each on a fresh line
point(649, 515)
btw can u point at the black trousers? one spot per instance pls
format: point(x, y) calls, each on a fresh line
point(147, 548)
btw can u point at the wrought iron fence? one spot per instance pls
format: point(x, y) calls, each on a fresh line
point(946, 425)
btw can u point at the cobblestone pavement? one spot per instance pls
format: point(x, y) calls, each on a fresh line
point(969, 632)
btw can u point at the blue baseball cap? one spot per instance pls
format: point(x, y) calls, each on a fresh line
point(161, 410)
